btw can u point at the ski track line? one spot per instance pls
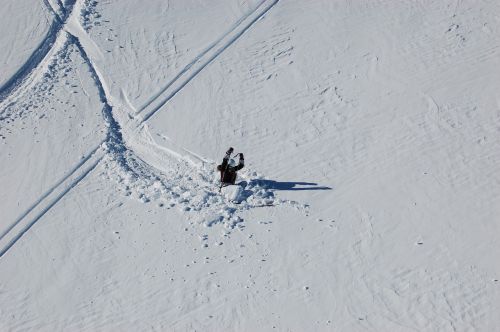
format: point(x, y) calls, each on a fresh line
point(40, 53)
point(48, 192)
point(52, 196)
point(204, 59)
point(196, 59)
point(51, 9)
point(49, 200)
point(77, 174)
point(62, 8)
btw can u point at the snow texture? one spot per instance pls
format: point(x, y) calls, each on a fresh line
point(370, 198)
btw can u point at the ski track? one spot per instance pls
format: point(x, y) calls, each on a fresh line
point(48, 192)
point(454, 285)
point(204, 59)
point(47, 201)
point(40, 53)
point(43, 204)
point(196, 59)
point(114, 145)
point(53, 11)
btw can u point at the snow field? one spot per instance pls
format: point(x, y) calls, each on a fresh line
point(370, 131)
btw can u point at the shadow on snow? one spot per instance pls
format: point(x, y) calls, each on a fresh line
point(289, 185)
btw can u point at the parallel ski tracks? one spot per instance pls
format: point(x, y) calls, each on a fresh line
point(71, 179)
point(50, 198)
point(74, 176)
point(55, 193)
point(192, 69)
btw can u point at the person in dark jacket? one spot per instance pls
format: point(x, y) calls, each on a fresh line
point(228, 168)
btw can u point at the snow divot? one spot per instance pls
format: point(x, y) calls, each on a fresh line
point(189, 188)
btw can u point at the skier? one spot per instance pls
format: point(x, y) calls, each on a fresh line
point(228, 168)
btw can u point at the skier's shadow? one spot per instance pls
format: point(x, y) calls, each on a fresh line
point(277, 185)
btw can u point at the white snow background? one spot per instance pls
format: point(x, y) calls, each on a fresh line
point(371, 134)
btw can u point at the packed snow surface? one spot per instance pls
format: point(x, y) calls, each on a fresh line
point(370, 198)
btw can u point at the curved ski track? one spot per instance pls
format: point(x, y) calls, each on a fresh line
point(40, 53)
point(114, 141)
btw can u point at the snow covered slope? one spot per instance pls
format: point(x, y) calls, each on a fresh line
point(370, 129)
point(26, 28)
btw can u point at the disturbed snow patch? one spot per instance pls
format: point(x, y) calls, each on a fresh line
point(58, 69)
point(189, 189)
